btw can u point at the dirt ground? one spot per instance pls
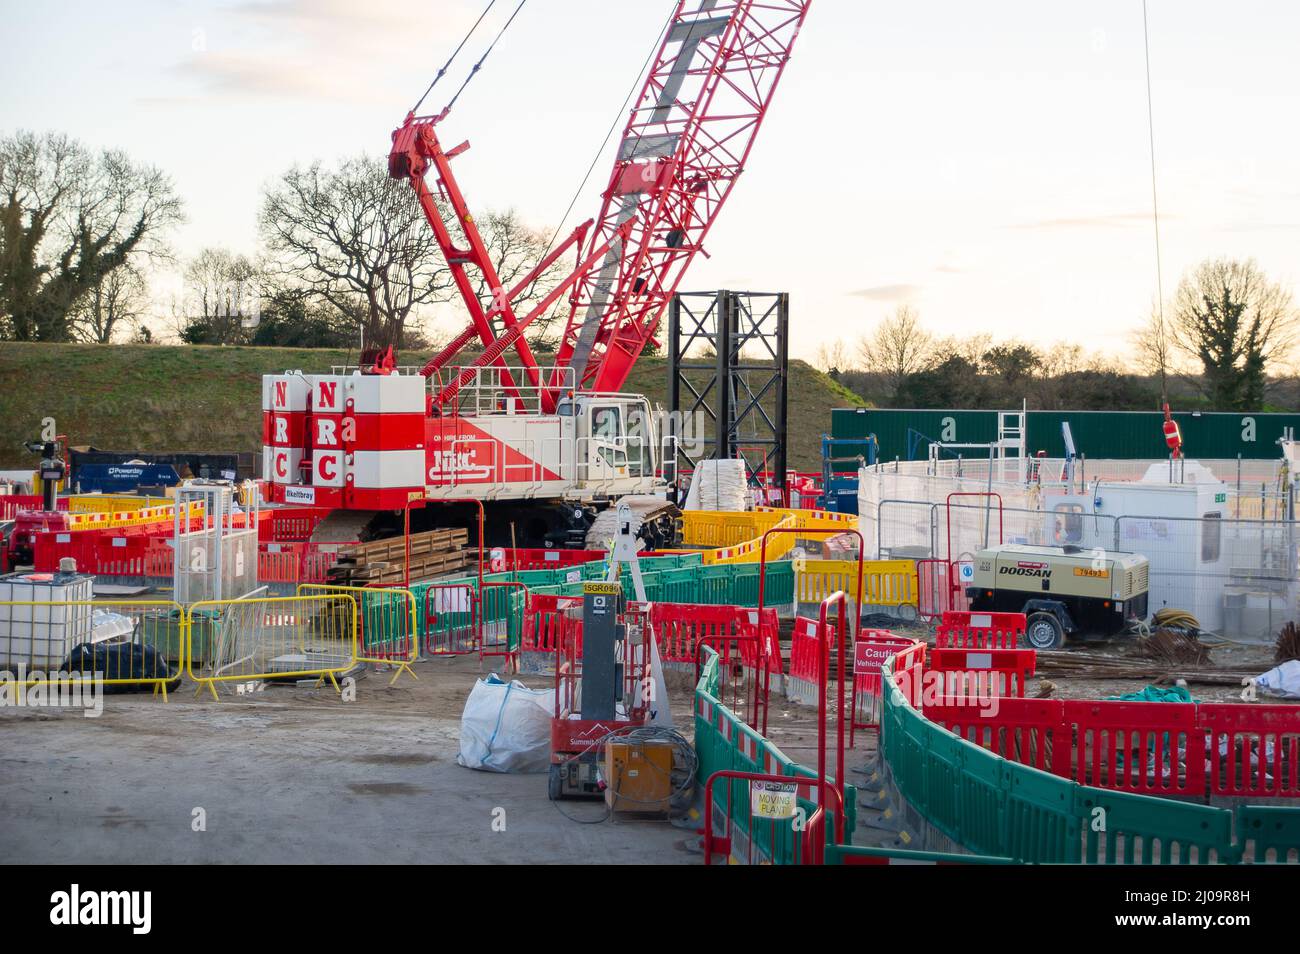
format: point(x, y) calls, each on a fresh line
point(295, 774)
point(1251, 658)
point(1255, 659)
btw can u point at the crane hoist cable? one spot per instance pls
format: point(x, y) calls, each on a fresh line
point(451, 59)
point(475, 68)
point(1155, 204)
point(637, 84)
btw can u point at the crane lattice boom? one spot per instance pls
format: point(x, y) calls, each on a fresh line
point(686, 142)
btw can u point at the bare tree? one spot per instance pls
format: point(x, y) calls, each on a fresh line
point(833, 357)
point(1235, 323)
point(221, 301)
point(1057, 365)
point(68, 217)
point(1153, 350)
point(898, 348)
point(117, 300)
point(515, 247)
point(353, 232)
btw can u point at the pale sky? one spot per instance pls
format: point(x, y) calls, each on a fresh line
point(985, 162)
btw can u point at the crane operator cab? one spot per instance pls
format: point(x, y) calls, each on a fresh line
point(614, 436)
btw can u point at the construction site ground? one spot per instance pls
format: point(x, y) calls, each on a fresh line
point(296, 774)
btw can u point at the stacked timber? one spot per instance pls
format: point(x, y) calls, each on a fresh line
point(433, 553)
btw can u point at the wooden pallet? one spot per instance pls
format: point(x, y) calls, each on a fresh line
point(433, 553)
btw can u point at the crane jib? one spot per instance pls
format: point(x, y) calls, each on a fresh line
point(687, 138)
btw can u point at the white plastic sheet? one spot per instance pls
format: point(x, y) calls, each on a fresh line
point(1283, 680)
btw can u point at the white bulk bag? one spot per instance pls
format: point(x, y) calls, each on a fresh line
point(506, 727)
point(718, 485)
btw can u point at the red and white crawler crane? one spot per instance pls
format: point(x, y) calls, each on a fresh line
point(546, 448)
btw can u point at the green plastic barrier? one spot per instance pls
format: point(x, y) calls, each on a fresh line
point(446, 621)
point(1140, 830)
point(518, 604)
point(680, 585)
point(982, 794)
point(714, 584)
point(779, 843)
point(494, 604)
point(385, 621)
point(860, 855)
point(1042, 823)
point(1262, 829)
point(1003, 809)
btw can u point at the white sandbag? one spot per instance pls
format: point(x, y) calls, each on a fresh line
point(506, 727)
point(1283, 680)
point(718, 485)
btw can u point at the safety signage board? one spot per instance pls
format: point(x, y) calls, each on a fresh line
point(869, 657)
point(773, 799)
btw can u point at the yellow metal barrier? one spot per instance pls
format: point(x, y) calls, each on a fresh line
point(112, 503)
point(271, 638)
point(720, 528)
point(816, 519)
point(738, 537)
point(389, 628)
point(751, 550)
point(78, 644)
point(884, 582)
point(111, 520)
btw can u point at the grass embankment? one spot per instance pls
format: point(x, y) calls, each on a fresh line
point(208, 399)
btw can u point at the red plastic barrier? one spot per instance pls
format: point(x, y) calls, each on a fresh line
point(747, 667)
point(279, 566)
point(680, 628)
point(10, 504)
point(939, 589)
point(90, 547)
point(160, 561)
point(1152, 748)
point(982, 672)
point(909, 666)
point(1029, 731)
point(135, 552)
point(803, 490)
point(1143, 747)
point(969, 630)
point(289, 524)
point(103, 553)
point(1253, 750)
point(503, 559)
point(808, 847)
point(871, 650)
point(543, 621)
point(451, 620)
point(804, 645)
point(296, 562)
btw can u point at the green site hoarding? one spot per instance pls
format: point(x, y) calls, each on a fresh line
point(1110, 435)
